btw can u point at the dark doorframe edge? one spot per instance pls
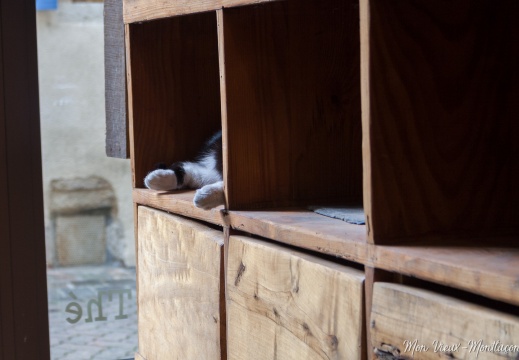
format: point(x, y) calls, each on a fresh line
point(24, 332)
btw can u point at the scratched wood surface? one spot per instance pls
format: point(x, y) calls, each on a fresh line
point(404, 319)
point(441, 117)
point(174, 90)
point(180, 288)
point(489, 271)
point(282, 304)
point(292, 104)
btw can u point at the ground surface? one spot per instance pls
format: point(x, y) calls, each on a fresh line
point(92, 312)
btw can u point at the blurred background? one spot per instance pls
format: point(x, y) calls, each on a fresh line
point(90, 246)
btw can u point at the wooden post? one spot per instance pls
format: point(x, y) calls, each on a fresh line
point(24, 332)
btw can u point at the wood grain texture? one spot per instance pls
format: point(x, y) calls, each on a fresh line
point(115, 81)
point(178, 202)
point(365, 110)
point(305, 229)
point(143, 10)
point(287, 305)
point(293, 104)
point(443, 110)
point(180, 282)
point(491, 272)
point(403, 313)
point(175, 89)
point(223, 104)
point(136, 235)
point(372, 275)
point(294, 226)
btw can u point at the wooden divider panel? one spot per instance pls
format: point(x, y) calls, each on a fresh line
point(174, 89)
point(442, 118)
point(283, 304)
point(180, 288)
point(408, 323)
point(292, 103)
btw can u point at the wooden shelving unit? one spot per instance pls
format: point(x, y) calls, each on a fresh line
point(407, 108)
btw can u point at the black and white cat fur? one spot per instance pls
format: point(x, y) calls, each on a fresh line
point(204, 174)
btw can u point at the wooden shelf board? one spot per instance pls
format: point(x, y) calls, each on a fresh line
point(305, 229)
point(297, 227)
point(491, 272)
point(178, 202)
point(143, 10)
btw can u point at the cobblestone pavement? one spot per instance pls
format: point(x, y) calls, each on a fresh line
point(92, 312)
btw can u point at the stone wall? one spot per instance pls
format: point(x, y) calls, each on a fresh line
point(71, 81)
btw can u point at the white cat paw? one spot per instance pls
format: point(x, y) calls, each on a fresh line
point(161, 179)
point(210, 196)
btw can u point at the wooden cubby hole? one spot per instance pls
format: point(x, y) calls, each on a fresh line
point(174, 89)
point(292, 84)
point(290, 111)
point(438, 165)
point(441, 136)
point(292, 104)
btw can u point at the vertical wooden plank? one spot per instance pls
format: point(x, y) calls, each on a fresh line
point(7, 350)
point(24, 330)
point(373, 275)
point(129, 94)
point(444, 135)
point(175, 89)
point(283, 304)
point(366, 115)
point(115, 80)
point(180, 281)
point(368, 296)
point(223, 105)
point(223, 292)
point(136, 238)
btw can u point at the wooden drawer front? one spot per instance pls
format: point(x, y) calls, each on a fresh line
point(283, 304)
point(419, 324)
point(179, 281)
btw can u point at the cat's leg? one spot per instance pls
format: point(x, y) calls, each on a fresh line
point(210, 196)
point(191, 175)
point(161, 179)
point(166, 179)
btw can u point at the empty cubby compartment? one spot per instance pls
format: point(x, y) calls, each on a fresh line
point(443, 120)
point(292, 98)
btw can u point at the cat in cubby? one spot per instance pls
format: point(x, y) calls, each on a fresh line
point(204, 174)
